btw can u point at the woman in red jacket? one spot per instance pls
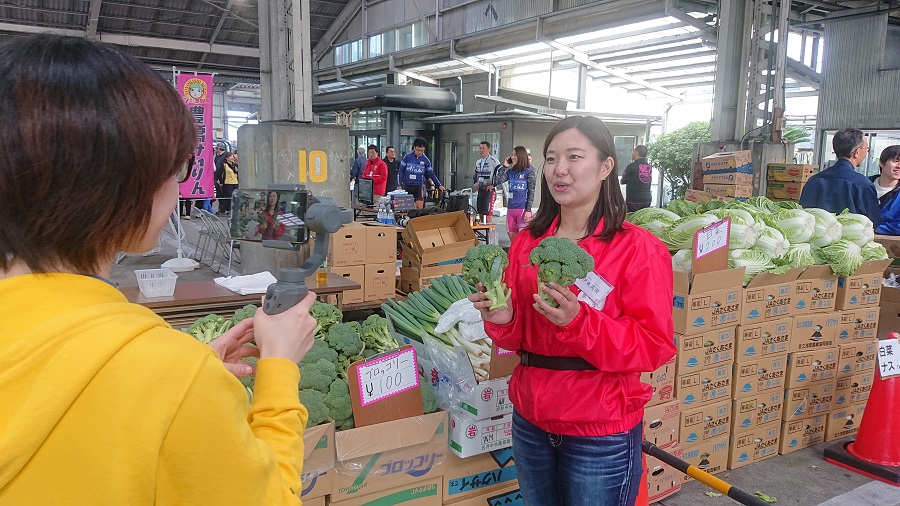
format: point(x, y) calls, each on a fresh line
point(376, 170)
point(578, 398)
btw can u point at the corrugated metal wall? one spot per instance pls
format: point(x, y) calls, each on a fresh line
point(855, 92)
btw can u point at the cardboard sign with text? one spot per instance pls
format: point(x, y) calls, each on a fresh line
point(711, 247)
point(385, 387)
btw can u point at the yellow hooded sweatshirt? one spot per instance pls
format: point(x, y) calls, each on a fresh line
point(103, 403)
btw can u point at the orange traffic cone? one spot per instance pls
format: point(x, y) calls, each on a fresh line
point(876, 451)
point(643, 497)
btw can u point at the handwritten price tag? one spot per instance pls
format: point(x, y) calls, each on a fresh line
point(388, 376)
point(889, 357)
point(712, 238)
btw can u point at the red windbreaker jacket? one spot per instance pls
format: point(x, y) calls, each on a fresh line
point(633, 333)
point(376, 170)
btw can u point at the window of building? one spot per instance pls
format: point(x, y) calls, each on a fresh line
point(405, 37)
point(375, 45)
point(892, 48)
point(420, 34)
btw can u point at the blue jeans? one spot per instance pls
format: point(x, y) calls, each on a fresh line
point(557, 470)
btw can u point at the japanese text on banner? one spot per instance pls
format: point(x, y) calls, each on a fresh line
point(196, 91)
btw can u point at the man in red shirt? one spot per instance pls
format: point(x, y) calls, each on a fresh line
point(376, 170)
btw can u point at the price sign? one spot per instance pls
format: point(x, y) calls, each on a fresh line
point(388, 376)
point(712, 238)
point(889, 357)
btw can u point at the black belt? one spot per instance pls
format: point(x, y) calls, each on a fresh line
point(556, 363)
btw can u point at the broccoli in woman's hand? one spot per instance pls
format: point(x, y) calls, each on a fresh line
point(561, 261)
point(484, 264)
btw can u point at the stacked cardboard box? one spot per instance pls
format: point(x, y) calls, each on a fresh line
point(661, 420)
point(433, 246)
point(367, 254)
point(728, 174)
point(707, 309)
point(785, 181)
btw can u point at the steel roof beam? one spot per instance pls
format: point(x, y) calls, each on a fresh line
point(410, 73)
point(93, 19)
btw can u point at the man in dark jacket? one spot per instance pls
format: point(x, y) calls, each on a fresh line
point(637, 178)
point(393, 165)
point(356, 170)
point(840, 187)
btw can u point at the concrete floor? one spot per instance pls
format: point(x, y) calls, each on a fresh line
point(802, 478)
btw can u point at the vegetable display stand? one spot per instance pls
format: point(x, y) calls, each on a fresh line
point(876, 450)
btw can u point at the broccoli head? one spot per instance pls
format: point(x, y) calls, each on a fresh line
point(209, 327)
point(243, 313)
point(343, 339)
point(326, 315)
point(559, 260)
point(319, 351)
point(344, 424)
point(338, 401)
point(376, 335)
point(484, 264)
point(317, 375)
point(429, 401)
point(356, 326)
point(250, 379)
point(314, 402)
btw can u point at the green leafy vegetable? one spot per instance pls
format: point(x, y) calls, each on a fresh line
point(681, 260)
point(772, 243)
point(827, 228)
point(559, 260)
point(856, 228)
point(874, 251)
point(843, 256)
point(753, 260)
point(683, 207)
point(764, 497)
point(797, 225)
point(681, 234)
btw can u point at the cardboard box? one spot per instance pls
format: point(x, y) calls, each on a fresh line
point(701, 197)
point(784, 190)
point(809, 400)
point(809, 367)
point(381, 243)
point(704, 387)
point(754, 445)
point(888, 317)
point(318, 501)
point(854, 389)
point(768, 296)
point(790, 172)
point(389, 455)
point(844, 421)
point(506, 496)
point(704, 423)
point(356, 273)
point(859, 325)
point(469, 436)
point(856, 357)
point(410, 281)
point(729, 190)
point(814, 331)
point(757, 410)
point(815, 290)
point(710, 456)
point(802, 433)
point(707, 301)
point(729, 178)
point(420, 493)
point(703, 351)
point(661, 423)
point(762, 375)
point(727, 159)
point(489, 398)
point(381, 281)
point(863, 287)
point(318, 461)
point(662, 381)
point(348, 246)
point(762, 340)
point(482, 474)
point(662, 479)
point(440, 237)
point(413, 261)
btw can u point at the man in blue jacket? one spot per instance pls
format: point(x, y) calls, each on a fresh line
point(840, 187)
point(414, 168)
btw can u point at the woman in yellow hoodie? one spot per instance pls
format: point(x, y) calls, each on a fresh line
point(104, 403)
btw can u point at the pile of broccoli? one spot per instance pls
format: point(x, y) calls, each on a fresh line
point(322, 391)
point(559, 260)
point(212, 326)
point(376, 336)
point(326, 315)
point(484, 264)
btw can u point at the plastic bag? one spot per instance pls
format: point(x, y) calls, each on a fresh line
point(456, 379)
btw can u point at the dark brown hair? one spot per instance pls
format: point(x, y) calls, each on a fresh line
point(610, 206)
point(77, 180)
point(521, 159)
point(889, 153)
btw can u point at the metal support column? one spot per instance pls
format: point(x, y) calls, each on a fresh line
point(582, 86)
point(729, 104)
point(285, 60)
point(393, 124)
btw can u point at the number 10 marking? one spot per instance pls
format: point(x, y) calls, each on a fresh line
point(316, 168)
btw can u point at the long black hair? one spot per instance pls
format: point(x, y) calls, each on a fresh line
point(521, 159)
point(611, 204)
